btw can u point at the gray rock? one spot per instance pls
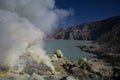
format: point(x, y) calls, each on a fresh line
point(36, 77)
point(70, 78)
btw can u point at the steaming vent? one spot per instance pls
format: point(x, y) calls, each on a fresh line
point(23, 25)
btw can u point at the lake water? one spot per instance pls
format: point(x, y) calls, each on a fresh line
point(68, 47)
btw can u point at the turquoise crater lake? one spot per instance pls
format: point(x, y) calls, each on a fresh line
point(68, 47)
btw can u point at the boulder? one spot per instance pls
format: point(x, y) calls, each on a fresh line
point(57, 55)
point(95, 67)
point(70, 78)
point(80, 61)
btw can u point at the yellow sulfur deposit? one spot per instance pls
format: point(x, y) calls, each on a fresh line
point(7, 73)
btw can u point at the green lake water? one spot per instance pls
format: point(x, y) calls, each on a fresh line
point(68, 47)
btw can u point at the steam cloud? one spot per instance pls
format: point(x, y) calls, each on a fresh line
point(24, 23)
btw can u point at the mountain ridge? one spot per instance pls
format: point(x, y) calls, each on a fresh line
point(86, 31)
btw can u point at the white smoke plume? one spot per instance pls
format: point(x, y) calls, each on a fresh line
point(26, 22)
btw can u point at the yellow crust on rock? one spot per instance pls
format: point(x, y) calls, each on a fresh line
point(7, 73)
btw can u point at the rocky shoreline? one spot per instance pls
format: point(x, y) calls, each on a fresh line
point(102, 53)
point(112, 58)
point(67, 69)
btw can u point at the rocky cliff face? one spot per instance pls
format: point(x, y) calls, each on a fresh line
point(107, 46)
point(111, 40)
point(87, 31)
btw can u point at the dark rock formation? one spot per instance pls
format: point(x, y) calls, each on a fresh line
point(110, 41)
point(107, 46)
point(87, 31)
